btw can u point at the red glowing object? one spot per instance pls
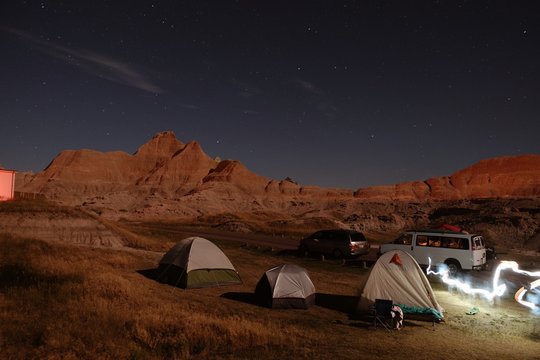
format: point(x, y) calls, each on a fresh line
point(7, 184)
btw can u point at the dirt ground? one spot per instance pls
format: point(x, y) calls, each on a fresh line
point(501, 329)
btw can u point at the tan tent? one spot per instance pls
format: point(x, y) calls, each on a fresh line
point(284, 287)
point(196, 262)
point(397, 276)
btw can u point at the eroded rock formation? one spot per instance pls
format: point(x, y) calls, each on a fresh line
point(166, 178)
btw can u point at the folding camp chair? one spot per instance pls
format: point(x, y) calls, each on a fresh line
point(383, 313)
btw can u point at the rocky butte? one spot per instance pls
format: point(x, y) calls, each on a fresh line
point(503, 177)
point(167, 179)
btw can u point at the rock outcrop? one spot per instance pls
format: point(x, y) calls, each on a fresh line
point(503, 177)
point(163, 164)
point(167, 179)
point(167, 168)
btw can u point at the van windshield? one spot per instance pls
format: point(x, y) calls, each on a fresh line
point(405, 239)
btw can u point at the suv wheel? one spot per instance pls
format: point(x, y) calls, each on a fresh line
point(337, 254)
point(453, 267)
point(303, 251)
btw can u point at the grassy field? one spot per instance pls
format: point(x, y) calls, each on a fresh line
point(66, 301)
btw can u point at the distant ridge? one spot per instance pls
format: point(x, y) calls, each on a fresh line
point(502, 177)
point(168, 180)
point(165, 168)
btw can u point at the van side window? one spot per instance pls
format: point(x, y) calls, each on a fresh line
point(434, 241)
point(421, 240)
point(405, 239)
point(455, 243)
point(452, 243)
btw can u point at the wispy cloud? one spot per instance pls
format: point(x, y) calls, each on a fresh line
point(93, 63)
point(317, 97)
point(307, 86)
point(189, 106)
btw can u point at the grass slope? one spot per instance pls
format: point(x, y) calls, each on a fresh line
point(75, 302)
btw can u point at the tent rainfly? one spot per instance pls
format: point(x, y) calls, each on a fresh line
point(196, 263)
point(397, 276)
point(284, 287)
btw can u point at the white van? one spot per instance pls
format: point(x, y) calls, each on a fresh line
point(455, 249)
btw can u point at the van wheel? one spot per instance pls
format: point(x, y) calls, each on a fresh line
point(453, 267)
point(337, 254)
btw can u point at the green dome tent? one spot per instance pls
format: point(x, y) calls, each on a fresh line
point(196, 263)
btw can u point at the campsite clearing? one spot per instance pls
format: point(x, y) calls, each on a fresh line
point(72, 301)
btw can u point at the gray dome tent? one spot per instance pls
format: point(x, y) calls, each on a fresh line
point(284, 287)
point(195, 263)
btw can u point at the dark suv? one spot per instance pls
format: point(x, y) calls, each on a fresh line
point(338, 243)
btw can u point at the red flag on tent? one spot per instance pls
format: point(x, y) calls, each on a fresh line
point(396, 260)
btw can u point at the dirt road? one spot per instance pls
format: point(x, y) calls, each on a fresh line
point(275, 242)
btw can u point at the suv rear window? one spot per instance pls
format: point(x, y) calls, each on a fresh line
point(357, 237)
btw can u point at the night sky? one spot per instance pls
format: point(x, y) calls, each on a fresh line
point(337, 94)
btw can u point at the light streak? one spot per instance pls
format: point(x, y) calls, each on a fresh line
point(521, 293)
point(498, 289)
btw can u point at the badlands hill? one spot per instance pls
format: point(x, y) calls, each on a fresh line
point(167, 179)
point(503, 177)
